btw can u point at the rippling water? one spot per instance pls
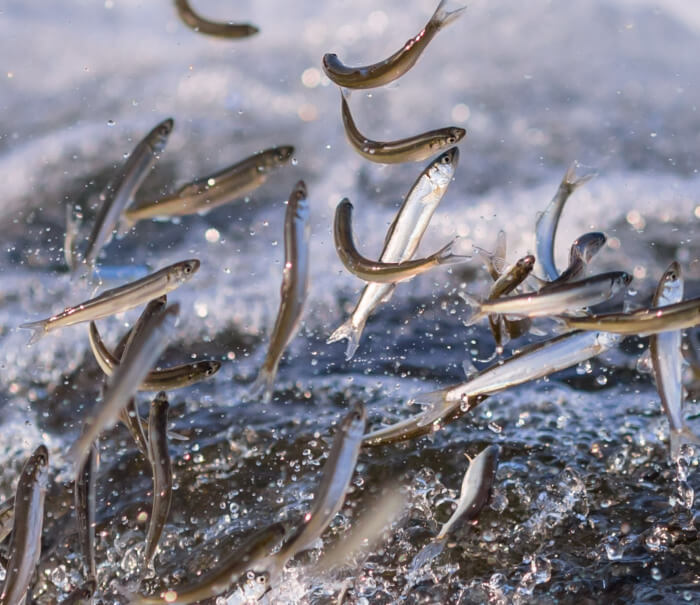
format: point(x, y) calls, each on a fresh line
point(586, 507)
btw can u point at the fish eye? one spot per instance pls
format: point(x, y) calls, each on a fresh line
point(451, 140)
point(446, 159)
point(187, 269)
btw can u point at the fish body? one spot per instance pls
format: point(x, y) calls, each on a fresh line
point(7, 517)
point(118, 299)
point(377, 271)
point(667, 361)
point(378, 74)
point(548, 221)
point(476, 488)
point(139, 357)
point(329, 498)
point(159, 457)
point(25, 539)
point(209, 192)
point(401, 241)
point(165, 379)
point(85, 510)
point(536, 362)
point(412, 149)
point(212, 28)
point(121, 192)
point(582, 252)
point(295, 286)
point(554, 301)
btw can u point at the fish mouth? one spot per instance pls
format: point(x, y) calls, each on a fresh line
point(284, 153)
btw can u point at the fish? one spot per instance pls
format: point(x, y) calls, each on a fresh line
point(25, 539)
point(401, 242)
point(220, 580)
point(70, 253)
point(582, 252)
point(548, 221)
point(295, 287)
point(84, 491)
point(209, 192)
point(476, 488)
point(166, 379)
point(212, 28)
point(413, 149)
point(494, 261)
point(330, 495)
point(117, 299)
point(535, 362)
point(121, 191)
point(139, 357)
point(379, 74)
point(159, 457)
point(505, 284)
point(642, 322)
point(565, 298)
point(130, 418)
point(7, 517)
point(154, 307)
point(667, 361)
point(377, 271)
point(82, 595)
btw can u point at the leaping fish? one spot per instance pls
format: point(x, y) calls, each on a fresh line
point(209, 192)
point(548, 221)
point(401, 241)
point(212, 28)
point(295, 287)
point(121, 192)
point(25, 539)
point(378, 74)
point(666, 359)
point(582, 252)
point(118, 299)
point(412, 149)
point(377, 271)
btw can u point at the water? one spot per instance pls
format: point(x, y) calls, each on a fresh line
point(586, 507)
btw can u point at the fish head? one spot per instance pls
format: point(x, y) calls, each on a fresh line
point(37, 467)
point(587, 246)
point(608, 340)
point(184, 270)
point(209, 367)
point(526, 263)
point(160, 134)
point(282, 154)
point(670, 288)
point(442, 169)
point(621, 280)
point(355, 421)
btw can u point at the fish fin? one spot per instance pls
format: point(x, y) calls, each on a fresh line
point(124, 226)
point(38, 329)
point(678, 438)
point(444, 255)
point(442, 17)
point(436, 406)
point(429, 552)
point(469, 368)
point(644, 364)
point(387, 297)
point(495, 261)
point(474, 305)
point(352, 333)
point(263, 386)
point(174, 436)
point(561, 325)
point(572, 181)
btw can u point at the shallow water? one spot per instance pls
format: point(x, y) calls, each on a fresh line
point(586, 507)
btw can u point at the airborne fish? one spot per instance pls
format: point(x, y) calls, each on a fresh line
point(212, 28)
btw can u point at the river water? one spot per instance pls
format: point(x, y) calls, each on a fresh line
point(586, 507)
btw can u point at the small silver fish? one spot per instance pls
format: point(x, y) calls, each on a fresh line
point(666, 359)
point(377, 271)
point(139, 357)
point(295, 287)
point(476, 488)
point(535, 362)
point(84, 488)
point(215, 582)
point(378, 74)
point(564, 298)
point(548, 221)
point(413, 149)
point(121, 191)
point(212, 28)
point(159, 457)
point(329, 498)
point(118, 299)
point(7, 517)
point(401, 241)
point(25, 539)
point(209, 192)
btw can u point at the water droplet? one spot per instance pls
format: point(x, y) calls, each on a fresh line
point(111, 122)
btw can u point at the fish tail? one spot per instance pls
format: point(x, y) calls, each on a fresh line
point(495, 261)
point(125, 225)
point(679, 437)
point(475, 311)
point(352, 333)
point(38, 329)
point(573, 182)
point(442, 16)
point(444, 255)
point(436, 406)
point(263, 385)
